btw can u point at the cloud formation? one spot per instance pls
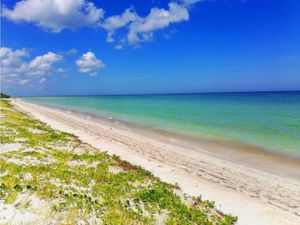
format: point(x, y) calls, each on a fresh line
point(11, 59)
point(41, 65)
point(15, 70)
point(140, 29)
point(111, 24)
point(55, 15)
point(143, 28)
point(88, 63)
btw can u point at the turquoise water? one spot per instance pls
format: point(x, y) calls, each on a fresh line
point(268, 120)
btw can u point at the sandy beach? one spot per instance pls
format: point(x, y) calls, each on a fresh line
point(258, 188)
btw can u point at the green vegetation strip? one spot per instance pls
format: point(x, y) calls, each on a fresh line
point(80, 183)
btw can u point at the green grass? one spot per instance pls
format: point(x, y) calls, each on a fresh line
point(133, 196)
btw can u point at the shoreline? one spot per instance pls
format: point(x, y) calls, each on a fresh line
point(251, 193)
point(275, 162)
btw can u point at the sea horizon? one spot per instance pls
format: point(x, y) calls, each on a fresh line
point(168, 93)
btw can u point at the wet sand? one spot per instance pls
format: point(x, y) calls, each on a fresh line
point(254, 184)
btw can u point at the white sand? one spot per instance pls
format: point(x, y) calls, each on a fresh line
point(37, 212)
point(10, 147)
point(256, 196)
point(115, 169)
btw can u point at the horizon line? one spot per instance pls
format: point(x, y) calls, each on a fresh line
point(140, 94)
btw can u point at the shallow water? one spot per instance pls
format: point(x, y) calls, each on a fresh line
point(268, 120)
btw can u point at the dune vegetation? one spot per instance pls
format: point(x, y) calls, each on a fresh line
point(51, 177)
point(3, 95)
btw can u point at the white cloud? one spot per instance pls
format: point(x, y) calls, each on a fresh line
point(41, 65)
point(190, 2)
point(10, 60)
point(55, 15)
point(142, 29)
point(115, 22)
point(15, 70)
point(88, 63)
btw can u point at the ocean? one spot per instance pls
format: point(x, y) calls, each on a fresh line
point(269, 120)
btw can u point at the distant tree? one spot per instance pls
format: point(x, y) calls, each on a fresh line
point(2, 95)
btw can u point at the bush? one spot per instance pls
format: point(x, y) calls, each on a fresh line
point(2, 95)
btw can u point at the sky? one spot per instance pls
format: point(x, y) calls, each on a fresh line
point(85, 47)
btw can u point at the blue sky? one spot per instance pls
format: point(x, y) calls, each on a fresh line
point(78, 47)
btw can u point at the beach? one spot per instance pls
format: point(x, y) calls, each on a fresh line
point(258, 187)
point(49, 176)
